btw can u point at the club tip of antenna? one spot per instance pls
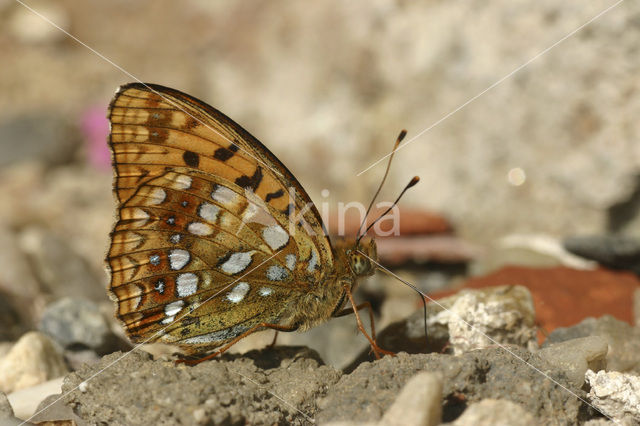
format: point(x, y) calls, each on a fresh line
point(413, 181)
point(402, 134)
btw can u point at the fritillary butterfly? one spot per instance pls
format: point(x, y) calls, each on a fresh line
point(215, 239)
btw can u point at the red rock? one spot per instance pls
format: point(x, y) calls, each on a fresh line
point(411, 222)
point(563, 297)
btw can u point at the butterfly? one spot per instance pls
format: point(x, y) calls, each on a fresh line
point(215, 239)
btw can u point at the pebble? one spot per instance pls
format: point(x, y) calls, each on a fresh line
point(57, 263)
point(33, 359)
point(576, 356)
point(27, 402)
point(75, 321)
point(495, 412)
point(494, 315)
point(623, 340)
point(419, 402)
point(5, 407)
point(615, 251)
point(615, 394)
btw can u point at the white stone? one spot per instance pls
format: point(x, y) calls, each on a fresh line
point(615, 394)
point(419, 402)
point(32, 360)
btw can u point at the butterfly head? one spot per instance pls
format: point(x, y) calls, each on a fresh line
point(362, 257)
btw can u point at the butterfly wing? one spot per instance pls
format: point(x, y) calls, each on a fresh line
point(213, 233)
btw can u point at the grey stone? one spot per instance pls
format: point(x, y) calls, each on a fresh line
point(615, 394)
point(419, 402)
point(62, 271)
point(575, 356)
point(43, 136)
point(495, 412)
point(614, 251)
point(278, 386)
point(622, 338)
point(371, 388)
point(75, 321)
point(5, 407)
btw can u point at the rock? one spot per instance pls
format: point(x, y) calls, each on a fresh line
point(480, 318)
point(43, 136)
point(553, 289)
point(262, 387)
point(419, 402)
point(62, 271)
point(28, 27)
point(576, 356)
point(615, 394)
point(5, 407)
point(75, 321)
point(614, 251)
point(26, 402)
point(33, 359)
point(17, 279)
point(623, 340)
point(495, 412)
point(369, 391)
point(52, 409)
point(636, 307)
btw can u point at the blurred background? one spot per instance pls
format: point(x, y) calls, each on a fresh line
point(550, 150)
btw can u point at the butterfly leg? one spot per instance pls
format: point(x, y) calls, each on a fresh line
point(363, 305)
point(255, 328)
point(377, 350)
point(273, 342)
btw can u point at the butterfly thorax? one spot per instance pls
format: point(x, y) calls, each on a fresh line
point(351, 264)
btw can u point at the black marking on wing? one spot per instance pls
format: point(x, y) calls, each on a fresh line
point(250, 182)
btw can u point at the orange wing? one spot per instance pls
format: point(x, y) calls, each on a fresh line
point(202, 202)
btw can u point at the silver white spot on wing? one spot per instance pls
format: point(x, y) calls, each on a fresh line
point(313, 261)
point(208, 212)
point(199, 228)
point(182, 182)
point(265, 291)
point(217, 336)
point(275, 236)
point(173, 308)
point(157, 196)
point(239, 291)
point(290, 261)
point(187, 284)
point(223, 195)
point(178, 258)
point(237, 262)
point(277, 273)
point(175, 238)
point(154, 259)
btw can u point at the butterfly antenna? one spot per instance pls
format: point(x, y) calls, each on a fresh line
point(401, 136)
point(411, 183)
point(423, 297)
